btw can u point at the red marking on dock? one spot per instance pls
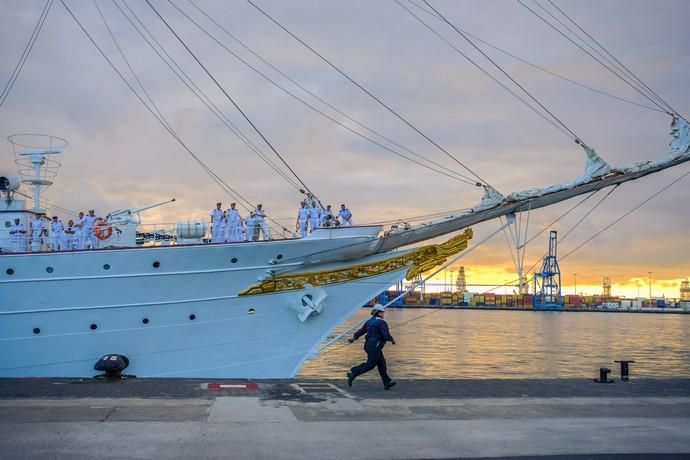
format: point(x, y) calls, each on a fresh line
point(231, 386)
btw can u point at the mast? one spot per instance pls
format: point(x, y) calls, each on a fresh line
point(38, 159)
point(530, 200)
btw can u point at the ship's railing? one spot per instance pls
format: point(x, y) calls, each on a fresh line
point(45, 242)
point(27, 243)
point(10, 243)
point(158, 234)
point(163, 234)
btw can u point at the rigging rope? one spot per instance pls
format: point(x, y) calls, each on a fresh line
point(484, 71)
point(369, 93)
point(239, 109)
point(317, 97)
point(577, 138)
point(129, 66)
point(546, 227)
point(630, 73)
point(212, 174)
point(587, 44)
point(420, 217)
point(592, 56)
point(533, 65)
point(25, 54)
point(49, 205)
point(419, 283)
point(162, 117)
point(608, 194)
point(529, 270)
point(461, 178)
point(199, 94)
point(626, 214)
point(602, 230)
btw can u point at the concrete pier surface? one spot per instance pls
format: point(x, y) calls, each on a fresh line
point(308, 419)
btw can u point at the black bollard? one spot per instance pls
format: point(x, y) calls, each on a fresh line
point(112, 365)
point(625, 369)
point(604, 375)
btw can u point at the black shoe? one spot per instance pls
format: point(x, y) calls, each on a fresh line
point(389, 385)
point(350, 378)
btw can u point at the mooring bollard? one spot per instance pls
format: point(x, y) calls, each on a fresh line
point(112, 365)
point(625, 369)
point(604, 375)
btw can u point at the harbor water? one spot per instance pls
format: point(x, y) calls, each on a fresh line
point(501, 344)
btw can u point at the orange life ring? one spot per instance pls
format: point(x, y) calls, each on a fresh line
point(102, 230)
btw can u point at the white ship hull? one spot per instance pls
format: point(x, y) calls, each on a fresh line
point(185, 317)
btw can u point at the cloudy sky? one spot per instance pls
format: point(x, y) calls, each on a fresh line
point(119, 155)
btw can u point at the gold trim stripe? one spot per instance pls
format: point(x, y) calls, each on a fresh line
point(419, 261)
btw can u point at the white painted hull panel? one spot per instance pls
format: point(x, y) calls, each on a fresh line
point(223, 340)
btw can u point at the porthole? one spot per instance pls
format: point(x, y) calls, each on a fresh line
point(192, 317)
point(10, 271)
point(8, 224)
point(37, 331)
point(94, 326)
point(156, 264)
point(233, 260)
point(145, 320)
point(279, 256)
point(49, 269)
point(106, 266)
point(251, 311)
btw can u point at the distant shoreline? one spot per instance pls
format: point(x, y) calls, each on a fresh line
point(565, 310)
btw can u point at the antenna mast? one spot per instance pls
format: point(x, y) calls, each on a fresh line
point(37, 157)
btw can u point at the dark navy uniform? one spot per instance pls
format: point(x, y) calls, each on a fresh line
point(377, 334)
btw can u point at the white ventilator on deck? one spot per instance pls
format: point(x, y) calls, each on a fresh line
point(193, 230)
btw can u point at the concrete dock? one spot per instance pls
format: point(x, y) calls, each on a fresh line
point(286, 419)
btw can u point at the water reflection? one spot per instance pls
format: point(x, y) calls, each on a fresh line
point(480, 344)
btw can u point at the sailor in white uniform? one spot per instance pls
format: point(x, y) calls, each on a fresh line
point(252, 230)
point(260, 216)
point(325, 215)
point(234, 224)
point(302, 219)
point(18, 233)
point(37, 231)
point(224, 228)
point(68, 236)
point(314, 216)
point(216, 219)
point(89, 223)
point(79, 232)
point(57, 229)
point(345, 216)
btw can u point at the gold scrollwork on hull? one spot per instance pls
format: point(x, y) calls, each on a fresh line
point(419, 261)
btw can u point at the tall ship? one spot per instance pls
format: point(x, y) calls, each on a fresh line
point(193, 301)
